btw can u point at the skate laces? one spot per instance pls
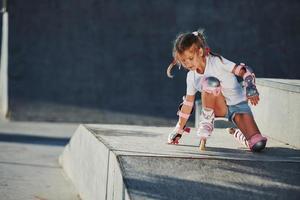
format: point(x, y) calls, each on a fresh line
point(207, 118)
point(207, 115)
point(239, 136)
point(206, 124)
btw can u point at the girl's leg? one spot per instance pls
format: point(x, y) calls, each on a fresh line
point(212, 106)
point(216, 103)
point(213, 103)
point(246, 123)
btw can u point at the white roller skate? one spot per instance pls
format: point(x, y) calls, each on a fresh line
point(256, 143)
point(238, 135)
point(206, 126)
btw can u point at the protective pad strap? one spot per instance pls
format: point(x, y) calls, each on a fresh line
point(248, 73)
point(183, 115)
point(246, 68)
point(188, 103)
point(239, 68)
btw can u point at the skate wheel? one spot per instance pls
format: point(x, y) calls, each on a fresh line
point(231, 131)
point(202, 145)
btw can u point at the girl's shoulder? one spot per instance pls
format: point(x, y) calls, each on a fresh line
point(190, 74)
point(219, 61)
point(215, 59)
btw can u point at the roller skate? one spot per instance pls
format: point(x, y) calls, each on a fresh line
point(238, 135)
point(206, 127)
point(256, 143)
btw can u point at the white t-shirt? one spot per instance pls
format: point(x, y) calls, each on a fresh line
point(222, 70)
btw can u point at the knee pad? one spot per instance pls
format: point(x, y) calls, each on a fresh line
point(257, 142)
point(211, 85)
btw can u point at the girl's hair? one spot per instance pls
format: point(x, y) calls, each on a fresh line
point(183, 42)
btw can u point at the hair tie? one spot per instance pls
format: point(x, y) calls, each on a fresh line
point(207, 51)
point(195, 33)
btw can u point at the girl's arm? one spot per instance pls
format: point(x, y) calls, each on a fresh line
point(185, 111)
point(251, 91)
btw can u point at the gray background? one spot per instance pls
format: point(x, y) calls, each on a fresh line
point(105, 61)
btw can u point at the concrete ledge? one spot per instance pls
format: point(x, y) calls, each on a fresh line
point(134, 162)
point(92, 167)
point(278, 112)
point(291, 85)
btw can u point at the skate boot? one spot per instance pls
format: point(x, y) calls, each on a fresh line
point(206, 126)
point(238, 135)
point(256, 143)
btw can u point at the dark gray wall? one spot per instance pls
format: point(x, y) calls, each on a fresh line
point(105, 61)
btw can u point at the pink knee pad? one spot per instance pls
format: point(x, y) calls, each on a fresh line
point(211, 85)
point(257, 142)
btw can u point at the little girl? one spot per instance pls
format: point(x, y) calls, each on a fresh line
point(221, 94)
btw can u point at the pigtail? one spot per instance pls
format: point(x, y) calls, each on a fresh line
point(169, 69)
point(173, 63)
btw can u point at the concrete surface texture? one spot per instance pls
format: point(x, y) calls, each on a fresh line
point(29, 161)
point(66, 58)
point(277, 113)
point(152, 169)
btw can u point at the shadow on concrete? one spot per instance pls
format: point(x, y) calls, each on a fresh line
point(281, 151)
point(270, 153)
point(211, 179)
point(223, 124)
point(33, 139)
point(174, 188)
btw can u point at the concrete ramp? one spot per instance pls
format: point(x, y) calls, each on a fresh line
point(277, 114)
point(134, 162)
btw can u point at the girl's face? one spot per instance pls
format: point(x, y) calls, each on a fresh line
point(192, 58)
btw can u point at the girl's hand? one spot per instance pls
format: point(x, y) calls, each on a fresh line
point(252, 93)
point(253, 99)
